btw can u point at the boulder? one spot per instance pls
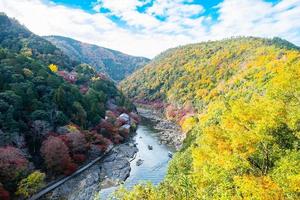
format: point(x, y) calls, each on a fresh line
point(127, 151)
point(139, 162)
point(124, 117)
point(124, 130)
point(115, 167)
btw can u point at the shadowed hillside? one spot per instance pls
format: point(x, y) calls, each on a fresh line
point(116, 64)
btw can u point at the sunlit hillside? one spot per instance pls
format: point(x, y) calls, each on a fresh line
point(243, 140)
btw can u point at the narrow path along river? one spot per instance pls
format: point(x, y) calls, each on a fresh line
point(155, 161)
point(150, 146)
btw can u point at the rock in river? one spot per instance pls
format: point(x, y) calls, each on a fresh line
point(139, 162)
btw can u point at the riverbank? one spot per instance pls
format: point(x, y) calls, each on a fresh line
point(121, 162)
point(169, 132)
point(149, 164)
point(110, 171)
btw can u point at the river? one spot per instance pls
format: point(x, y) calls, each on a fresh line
point(95, 181)
point(155, 161)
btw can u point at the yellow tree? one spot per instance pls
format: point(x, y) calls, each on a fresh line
point(53, 68)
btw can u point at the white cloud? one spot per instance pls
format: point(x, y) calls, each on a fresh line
point(147, 36)
point(259, 18)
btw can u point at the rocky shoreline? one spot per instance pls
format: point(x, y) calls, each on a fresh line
point(115, 167)
point(110, 171)
point(169, 132)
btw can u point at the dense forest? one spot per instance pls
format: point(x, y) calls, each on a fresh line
point(114, 63)
point(55, 112)
point(238, 101)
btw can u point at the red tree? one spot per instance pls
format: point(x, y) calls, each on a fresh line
point(12, 164)
point(97, 139)
point(79, 158)
point(56, 154)
point(76, 142)
point(135, 116)
point(106, 125)
point(4, 195)
point(70, 168)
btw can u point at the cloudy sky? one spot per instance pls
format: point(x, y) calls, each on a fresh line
point(148, 27)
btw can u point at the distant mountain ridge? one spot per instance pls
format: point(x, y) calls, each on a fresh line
point(18, 39)
point(116, 64)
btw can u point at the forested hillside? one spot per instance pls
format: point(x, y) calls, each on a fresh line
point(114, 63)
point(238, 101)
point(18, 39)
point(55, 113)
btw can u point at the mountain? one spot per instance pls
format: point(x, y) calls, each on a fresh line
point(190, 73)
point(116, 64)
point(53, 111)
point(18, 39)
point(238, 102)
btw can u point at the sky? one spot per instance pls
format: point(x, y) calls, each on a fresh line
point(148, 27)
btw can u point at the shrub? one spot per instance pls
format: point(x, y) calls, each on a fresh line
point(13, 164)
point(4, 195)
point(56, 154)
point(97, 139)
point(70, 168)
point(30, 185)
point(79, 158)
point(76, 142)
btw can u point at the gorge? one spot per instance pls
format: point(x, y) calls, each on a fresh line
point(211, 120)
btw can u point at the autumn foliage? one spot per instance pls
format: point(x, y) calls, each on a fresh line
point(97, 139)
point(13, 164)
point(56, 155)
point(243, 135)
point(4, 195)
point(32, 184)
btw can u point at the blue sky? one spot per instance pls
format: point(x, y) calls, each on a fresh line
point(148, 27)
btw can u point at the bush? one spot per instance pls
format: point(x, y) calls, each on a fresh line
point(76, 142)
point(97, 139)
point(79, 158)
point(56, 154)
point(4, 195)
point(70, 169)
point(30, 185)
point(13, 164)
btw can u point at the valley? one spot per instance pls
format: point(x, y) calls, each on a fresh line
point(217, 119)
point(121, 165)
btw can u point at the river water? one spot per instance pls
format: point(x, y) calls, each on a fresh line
point(155, 162)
